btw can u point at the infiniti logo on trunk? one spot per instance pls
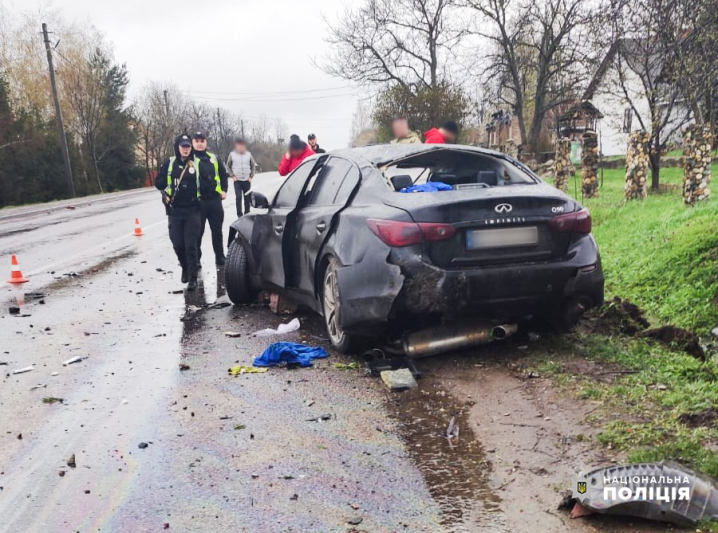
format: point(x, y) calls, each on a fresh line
point(503, 208)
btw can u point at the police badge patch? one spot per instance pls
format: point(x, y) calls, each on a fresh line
point(581, 487)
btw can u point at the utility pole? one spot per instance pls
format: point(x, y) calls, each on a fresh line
point(58, 114)
point(167, 105)
point(241, 123)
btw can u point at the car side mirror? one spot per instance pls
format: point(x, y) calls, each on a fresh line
point(258, 200)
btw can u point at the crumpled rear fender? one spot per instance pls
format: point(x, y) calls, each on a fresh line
point(367, 290)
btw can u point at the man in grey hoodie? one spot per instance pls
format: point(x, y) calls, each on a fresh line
point(241, 166)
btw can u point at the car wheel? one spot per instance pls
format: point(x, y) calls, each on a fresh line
point(236, 274)
point(331, 306)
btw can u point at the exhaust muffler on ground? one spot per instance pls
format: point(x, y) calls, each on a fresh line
point(451, 337)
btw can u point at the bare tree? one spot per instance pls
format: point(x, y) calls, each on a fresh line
point(688, 30)
point(404, 42)
point(538, 55)
point(160, 115)
point(645, 78)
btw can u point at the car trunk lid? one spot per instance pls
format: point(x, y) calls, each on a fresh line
point(498, 225)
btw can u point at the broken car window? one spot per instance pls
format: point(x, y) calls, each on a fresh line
point(460, 170)
point(292, 187)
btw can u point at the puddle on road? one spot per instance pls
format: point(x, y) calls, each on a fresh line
point(456, 473)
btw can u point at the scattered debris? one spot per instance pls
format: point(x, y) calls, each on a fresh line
point(280, 305)
point(219, 305)
point(282, 329)
point(61, 473)
point(166, 525)
point(241, 369)
point(142, 445)
point(52, 399)
point(39, 386)
point(14, 310)
point(3, 363)
point(19, 436)
point(378, 361)
point(71, 461)
point(178, 291)
point(30, 296)
point(322, 418)
point(290, 353)
point(232, 334)
point(75, 359)
point(23, 370)
point(400, 379)
point(183, 367)
point(452, 430)
point(355, 520)
point(701, 505)
point(239, 426)
point(533, 375)
point(347, 366)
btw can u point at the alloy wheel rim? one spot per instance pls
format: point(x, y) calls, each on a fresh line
point(331, 309)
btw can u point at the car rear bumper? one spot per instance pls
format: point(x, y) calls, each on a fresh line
point(502, 291)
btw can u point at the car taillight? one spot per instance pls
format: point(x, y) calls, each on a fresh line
point(578, 222)
point(395, 233)
point(436, 232)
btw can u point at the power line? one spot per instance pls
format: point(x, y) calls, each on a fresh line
point(268, 93)
point(274, 100)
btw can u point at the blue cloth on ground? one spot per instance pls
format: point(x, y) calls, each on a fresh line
point(290, 353)
point(429, 186)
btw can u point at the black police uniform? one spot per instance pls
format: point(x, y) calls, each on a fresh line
point(213, 181)
point(184, 209)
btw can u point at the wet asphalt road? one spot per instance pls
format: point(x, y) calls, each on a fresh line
point(227, 454)
point(224, 454)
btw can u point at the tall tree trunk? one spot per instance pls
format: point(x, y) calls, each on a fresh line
point(655, 158)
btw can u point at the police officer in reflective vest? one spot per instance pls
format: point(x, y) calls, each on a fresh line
point(178, 180)
point(213, 183)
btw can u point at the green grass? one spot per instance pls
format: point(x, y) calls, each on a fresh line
point(658, 253)
point(662, 256)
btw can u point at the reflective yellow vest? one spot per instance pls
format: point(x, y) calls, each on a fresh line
point(215, 163)
point(168, 190)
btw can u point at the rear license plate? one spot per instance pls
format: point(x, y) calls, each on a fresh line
point(500, 238)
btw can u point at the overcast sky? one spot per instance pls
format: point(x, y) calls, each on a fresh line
point(254, 47)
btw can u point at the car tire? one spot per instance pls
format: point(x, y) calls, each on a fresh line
point(342, 341)
point(236, 274)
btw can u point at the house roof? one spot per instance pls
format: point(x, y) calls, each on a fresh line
point(583, 107)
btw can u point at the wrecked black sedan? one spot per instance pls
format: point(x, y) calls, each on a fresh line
point(345, 236)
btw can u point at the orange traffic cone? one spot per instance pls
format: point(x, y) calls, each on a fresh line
point(138, 229)
point(15, 274)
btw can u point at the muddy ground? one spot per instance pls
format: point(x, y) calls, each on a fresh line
point(256, 452)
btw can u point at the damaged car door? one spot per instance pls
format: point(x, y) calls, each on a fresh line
point(325, 195)
point(269, 244)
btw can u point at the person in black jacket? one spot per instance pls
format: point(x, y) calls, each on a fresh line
point(214, 184)
point(314, 145)
point(178, 180)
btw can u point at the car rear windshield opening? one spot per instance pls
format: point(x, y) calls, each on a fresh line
point(461, 170)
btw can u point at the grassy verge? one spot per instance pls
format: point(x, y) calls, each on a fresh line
point(661, 402)
point(658, 253)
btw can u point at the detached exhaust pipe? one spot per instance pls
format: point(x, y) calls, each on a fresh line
point(451, 337)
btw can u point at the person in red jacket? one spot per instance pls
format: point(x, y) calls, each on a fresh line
point(448, 132)
point(298, 152)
